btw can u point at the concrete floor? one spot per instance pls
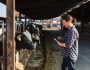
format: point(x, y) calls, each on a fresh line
point(83, 62)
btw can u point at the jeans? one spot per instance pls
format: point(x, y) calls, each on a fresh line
point(68, 64)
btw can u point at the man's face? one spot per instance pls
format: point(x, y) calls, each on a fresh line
point(65, 23)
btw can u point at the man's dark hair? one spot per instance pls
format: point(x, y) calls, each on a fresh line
point(67, 17)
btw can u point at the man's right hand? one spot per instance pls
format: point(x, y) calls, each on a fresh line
point(60, 38)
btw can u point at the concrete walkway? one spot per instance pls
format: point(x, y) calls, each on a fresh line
point(83, 62)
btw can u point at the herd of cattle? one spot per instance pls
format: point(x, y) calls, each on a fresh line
point(27, 38)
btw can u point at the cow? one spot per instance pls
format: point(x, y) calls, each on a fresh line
point(34, 32)
point(24, 41)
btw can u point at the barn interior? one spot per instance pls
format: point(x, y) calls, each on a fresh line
point(31, 10)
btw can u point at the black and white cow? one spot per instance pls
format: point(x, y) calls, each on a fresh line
point(24, 40)
point(35, 33)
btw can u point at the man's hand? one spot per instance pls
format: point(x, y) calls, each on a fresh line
point(60, 38)
point(60, 44)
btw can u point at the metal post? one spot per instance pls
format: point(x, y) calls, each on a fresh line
point(20, 21)
point(10, 42)
point(82, 22)
point(25, 22)
point(3, 39)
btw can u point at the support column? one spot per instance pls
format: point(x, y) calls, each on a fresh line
point(82, 20)
point(10, 42)
point(82, 27)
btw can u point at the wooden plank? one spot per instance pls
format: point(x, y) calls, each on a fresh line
point(10, 51)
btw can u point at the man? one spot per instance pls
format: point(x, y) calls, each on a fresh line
point(70, 44)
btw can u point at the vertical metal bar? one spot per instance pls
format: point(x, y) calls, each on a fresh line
point(20, 22)
point(3, 30)
point(24, 22)
point(10, 42)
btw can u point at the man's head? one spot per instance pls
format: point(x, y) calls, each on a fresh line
point(67, 20)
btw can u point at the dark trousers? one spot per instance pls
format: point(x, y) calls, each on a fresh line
point(68, 64)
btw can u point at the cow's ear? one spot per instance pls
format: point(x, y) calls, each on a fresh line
point(28, 27)
point(19, 37)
